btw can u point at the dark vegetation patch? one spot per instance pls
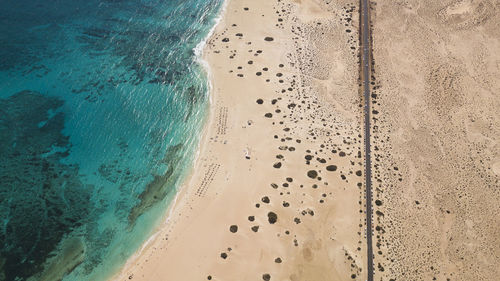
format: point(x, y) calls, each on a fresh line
point(272, 217)
point(312, 174)
point(233, 228)
point(331, 168)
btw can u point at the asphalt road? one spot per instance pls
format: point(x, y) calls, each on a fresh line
point(365, 32)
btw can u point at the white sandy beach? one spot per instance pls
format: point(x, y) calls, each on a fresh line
point(275, 192)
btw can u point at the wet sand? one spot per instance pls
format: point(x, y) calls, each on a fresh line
point(277, 190)
point(436, 136)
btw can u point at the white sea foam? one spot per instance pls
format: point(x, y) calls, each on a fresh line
point(200, 47)
point(177, 200)
point(198, 51)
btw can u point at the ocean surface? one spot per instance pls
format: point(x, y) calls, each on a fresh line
point(101, 107)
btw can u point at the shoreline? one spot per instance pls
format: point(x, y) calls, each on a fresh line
point(235, 150)
point(199, 51)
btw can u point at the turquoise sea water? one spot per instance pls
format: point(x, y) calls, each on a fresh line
point(101, 105)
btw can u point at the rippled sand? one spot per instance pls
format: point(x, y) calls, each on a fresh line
point(437, 131)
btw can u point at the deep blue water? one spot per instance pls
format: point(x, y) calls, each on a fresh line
point(101, 105)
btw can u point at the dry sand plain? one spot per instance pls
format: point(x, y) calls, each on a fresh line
point(436, 139)
point(276, 192)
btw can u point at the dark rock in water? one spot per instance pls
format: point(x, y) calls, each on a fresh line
point(225, 40)
point(277, 165)
point(268, 115)
point(157, 190)
point(272, 217)
point(255, 228)
point(312, 174)
point(172, 154)
point(154, 192)
point(43, 206)
point(97, 32)
point(331, 168)
point(266, 277)
point(266, 200)
point(223, 255)
point(269, 39)
point(192, 95)
point(192, 98)
point(71, 254)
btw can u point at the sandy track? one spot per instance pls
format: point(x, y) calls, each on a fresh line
point(365, 73)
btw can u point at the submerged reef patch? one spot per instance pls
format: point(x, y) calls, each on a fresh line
point(41, 199)
point(161, 185)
